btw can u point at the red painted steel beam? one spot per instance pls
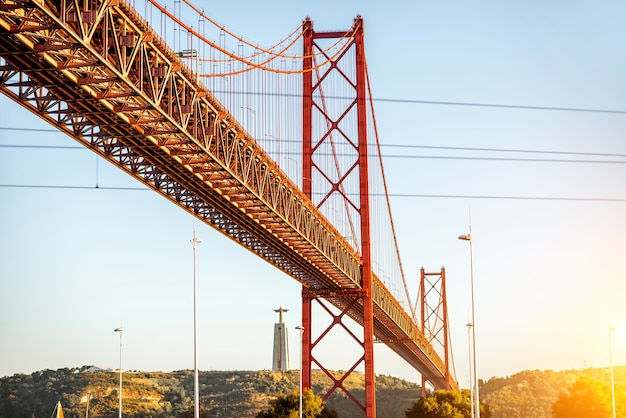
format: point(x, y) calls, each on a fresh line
point(307, 174)
point(364, 211)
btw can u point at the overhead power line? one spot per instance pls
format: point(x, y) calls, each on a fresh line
point(9, 128)
point(494, 197)
point(407, 146)
point(508, 150)
point(399, 195)
point(501, 106)
point(76, 147)
point(438, 102)
point(426, 157)
point(534, 160)
point(50, 186)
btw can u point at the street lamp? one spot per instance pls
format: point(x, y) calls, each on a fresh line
point(301, 329)
point(196, 390)
point(277, 145)
point(121, 331)
point(192, 54)
point(468, 237)
point(611, 365)
point(253, 119)
point(469, 351)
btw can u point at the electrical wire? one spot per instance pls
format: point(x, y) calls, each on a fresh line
point(43, 146)
point(594, 154)
point(403, 156)
point(503, 106)
point(49, 186)
point(396, 195)
point(465, 104)
point(409, 146)
point(504, 197)
point(531, 160)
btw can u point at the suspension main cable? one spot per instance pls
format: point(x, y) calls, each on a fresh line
point(387, 200)
point(262, 50)
point(257, 54)
point(260, 66)
point(202, 38)
point(234, 57)
point(239, 38)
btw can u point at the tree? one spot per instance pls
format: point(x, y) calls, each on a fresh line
point(586, 398)
point(288, 406)
point(445, 404)
point(188, 413)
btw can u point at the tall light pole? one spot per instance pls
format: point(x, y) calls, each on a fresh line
point(88, 399)
point(121, 331)
point(611, 365)
point(469, 351)
point(468, 237)
point(192, 54)
point(301, 329)
point(196, 390)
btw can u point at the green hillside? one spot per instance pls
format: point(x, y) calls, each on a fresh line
point(242, 394)
point(225, 394)
point(532, 393)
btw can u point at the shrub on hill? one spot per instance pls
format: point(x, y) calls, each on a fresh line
point(223, 394)
point(532, 393)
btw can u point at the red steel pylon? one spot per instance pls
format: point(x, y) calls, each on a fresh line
point(434, 313)
point(321, 127)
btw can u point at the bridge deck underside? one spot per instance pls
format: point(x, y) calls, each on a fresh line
point(167, 131)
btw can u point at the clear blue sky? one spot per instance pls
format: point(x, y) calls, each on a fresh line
point(550, 275)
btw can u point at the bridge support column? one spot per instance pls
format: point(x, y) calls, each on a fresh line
point(330, 129)
point(434, 314)
point(364, 211)
point(305, 367)
point(307, 106)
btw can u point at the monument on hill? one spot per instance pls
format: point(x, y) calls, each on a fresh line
point(281, 343)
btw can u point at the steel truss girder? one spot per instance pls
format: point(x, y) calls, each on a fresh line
point(96, 69)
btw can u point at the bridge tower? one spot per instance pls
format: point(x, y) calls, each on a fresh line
point(434, 314)
point(325, 130)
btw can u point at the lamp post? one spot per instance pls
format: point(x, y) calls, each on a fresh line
point(121, 331)
point(277, 145)
point(253, 120)
point(469, 351)
point(88, 399)
point(196, 390)
point(192, 54)
point(611, 366)
point(468, 237)
point(301, 329)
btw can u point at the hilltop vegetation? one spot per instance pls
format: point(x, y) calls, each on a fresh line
point(532, 393)
point(243, 394)
point(224, 394)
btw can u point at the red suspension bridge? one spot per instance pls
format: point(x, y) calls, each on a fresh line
point(274, 147)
